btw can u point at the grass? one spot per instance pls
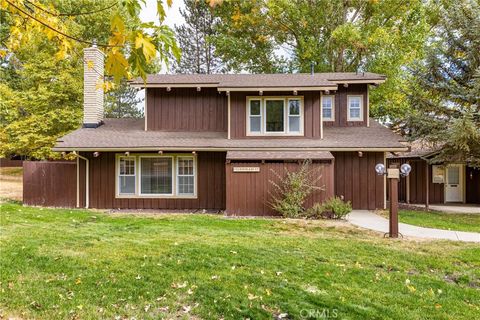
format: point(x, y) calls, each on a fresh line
point(439, 220)
point(11, 171)
point(11, 186)
point(58, 264)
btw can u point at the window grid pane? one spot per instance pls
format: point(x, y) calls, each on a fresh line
point(186, 176)
point(294, 107)
point(294, 123)
point(126, 176)
point(156, 176)
point(274, 115)
point(327, 106)
point(255, 107)
point(355, 108)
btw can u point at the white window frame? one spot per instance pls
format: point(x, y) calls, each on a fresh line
point(299, 116)
point(119, 175)
point(249, 115)
point(332, 118)
point(286, 114)
point(349, 97)
point(194, 175)
point(138, 176)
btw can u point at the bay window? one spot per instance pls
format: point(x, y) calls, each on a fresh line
point(275, 116)
point(328, 108)
point(355, 108)
point(157, 176)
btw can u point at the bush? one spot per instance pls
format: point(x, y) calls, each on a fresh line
point(290, 193)
point(336, 208)
point(315, 212)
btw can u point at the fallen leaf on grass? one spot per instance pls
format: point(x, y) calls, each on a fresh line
point(179, 285)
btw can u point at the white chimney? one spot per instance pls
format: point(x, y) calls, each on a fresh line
point(93, 65)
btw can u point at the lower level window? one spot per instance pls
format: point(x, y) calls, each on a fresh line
point(186, 176)
point(157, 175)
point(165, 175)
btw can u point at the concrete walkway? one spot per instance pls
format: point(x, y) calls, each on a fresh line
point(372, 221)
point(451, 208)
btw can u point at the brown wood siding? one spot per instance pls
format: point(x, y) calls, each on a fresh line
point(211, 185)
point(186, 109)
point(7, 163)
point(356, 180)
point(417, 183)
point(249, 193)
point(238, 114)
point(473, 185)
point(50, 184)
point(341, 108)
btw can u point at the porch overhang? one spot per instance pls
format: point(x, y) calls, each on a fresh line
point(279, 155)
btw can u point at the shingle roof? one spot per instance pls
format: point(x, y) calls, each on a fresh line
point(129, 134)
point(287, 80)
point(279, 155)
point(418, 149)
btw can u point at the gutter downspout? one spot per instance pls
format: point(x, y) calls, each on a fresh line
point(87, 189)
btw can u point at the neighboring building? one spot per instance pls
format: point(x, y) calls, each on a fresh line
point(454, 182)
point(212, 141)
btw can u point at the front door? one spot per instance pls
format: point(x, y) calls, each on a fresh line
point(454, 183)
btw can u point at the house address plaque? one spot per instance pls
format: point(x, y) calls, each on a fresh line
point(246, 169)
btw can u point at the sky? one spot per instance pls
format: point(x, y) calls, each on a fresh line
point(149, 12)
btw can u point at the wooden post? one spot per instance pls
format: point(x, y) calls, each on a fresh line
point(427, 200)
point(393, 177)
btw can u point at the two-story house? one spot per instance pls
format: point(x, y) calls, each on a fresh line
point(218, 141)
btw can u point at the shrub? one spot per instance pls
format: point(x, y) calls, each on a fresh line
point(336, 208)
point(315, 212)
point(289, 195)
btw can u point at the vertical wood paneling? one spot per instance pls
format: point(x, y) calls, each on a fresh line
point(418, 183)
point(50, 183)
point(472, 185)
point(186, 109)
point(356, 180)
point(249, 193)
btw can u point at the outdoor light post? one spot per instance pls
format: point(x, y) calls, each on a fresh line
point(393, 174)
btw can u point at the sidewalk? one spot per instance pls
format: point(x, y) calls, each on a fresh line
point(372, 221)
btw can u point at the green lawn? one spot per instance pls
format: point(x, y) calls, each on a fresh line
point(448, 221)
point(75, 264)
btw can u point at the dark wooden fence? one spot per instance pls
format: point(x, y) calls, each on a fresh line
point(50, 183)
point(6, 163)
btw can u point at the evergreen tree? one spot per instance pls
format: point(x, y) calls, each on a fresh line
point(122, 102)
point(194, 39)
point(445, 92)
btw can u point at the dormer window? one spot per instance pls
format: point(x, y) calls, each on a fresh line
point(328, 108)
point(355, 108)
point(275, 116)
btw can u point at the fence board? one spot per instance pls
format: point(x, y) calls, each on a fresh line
point(50, 184)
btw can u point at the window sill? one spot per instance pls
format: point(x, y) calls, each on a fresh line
point(273, 134)
point(154, 196)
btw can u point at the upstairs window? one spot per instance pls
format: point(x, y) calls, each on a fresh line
point(294, 115)
point(328, 108)
point(355, 108)
point(275, 116)
point(256, 115)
